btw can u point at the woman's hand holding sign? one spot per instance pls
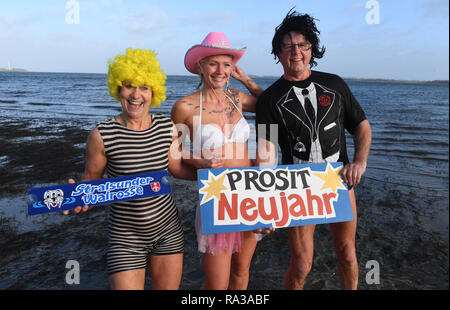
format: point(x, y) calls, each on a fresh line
point(77, 209)
point(213, 163)
point(208, 162)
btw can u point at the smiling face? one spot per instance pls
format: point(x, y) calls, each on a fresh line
point(216, 70)
point(294, 60)
point(135, 100)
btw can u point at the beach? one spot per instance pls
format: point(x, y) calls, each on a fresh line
point(402, 205)
point(35, 249)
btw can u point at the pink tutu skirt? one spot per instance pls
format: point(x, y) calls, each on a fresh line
point(216, 243)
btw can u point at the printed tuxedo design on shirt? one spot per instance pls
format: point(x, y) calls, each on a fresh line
point(313, 131)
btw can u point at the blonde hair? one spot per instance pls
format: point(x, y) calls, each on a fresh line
point(138, 67)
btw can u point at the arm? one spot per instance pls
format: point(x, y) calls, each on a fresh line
point(95, 157)
point(352, 173)
point(266, 154)
point(248, 102)
point(267, 132)
point(95, 163)
point(177, 167)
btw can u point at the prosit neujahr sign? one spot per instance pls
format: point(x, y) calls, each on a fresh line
point(249, 198)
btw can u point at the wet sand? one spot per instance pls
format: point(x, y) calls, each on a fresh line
point(410, 244)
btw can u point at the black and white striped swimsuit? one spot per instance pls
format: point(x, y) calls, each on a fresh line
point(147, 226)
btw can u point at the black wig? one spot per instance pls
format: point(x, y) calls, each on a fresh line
point(301, 23)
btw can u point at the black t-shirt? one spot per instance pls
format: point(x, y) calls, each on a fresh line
point(302, 136)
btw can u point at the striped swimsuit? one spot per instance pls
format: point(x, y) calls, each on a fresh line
point(147, 226)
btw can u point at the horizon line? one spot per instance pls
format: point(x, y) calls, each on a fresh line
point(250, 75)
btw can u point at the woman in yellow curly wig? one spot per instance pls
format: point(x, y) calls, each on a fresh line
point(146, 231)
point(137, 67)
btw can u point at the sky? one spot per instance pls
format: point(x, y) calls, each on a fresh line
point(388, 39)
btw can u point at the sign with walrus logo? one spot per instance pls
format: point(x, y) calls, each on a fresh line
point(98, 192)
point(243, 199)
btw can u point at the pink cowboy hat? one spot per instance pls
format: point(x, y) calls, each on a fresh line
point(215, 43)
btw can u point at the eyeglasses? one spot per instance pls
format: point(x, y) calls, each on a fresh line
point(302, 46)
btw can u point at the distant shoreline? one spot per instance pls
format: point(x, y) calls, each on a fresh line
point(13, 70)
point(353, 79)
point(397, 81)
point(376, 80)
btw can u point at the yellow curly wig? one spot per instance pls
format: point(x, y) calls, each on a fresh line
point(138, 67)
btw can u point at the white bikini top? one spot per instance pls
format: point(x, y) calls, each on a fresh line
point(209, 136)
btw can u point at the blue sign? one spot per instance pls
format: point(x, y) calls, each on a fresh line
point(97, 192)
point(243, 199)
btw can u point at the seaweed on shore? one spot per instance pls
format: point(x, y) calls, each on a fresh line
point(29, 156)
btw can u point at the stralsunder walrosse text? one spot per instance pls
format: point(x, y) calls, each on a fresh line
point(242, 199)
point(97, 192)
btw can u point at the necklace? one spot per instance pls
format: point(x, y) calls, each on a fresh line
point(224, 119)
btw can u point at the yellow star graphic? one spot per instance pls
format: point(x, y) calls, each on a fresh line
point(331, 178)
point(213, 187)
